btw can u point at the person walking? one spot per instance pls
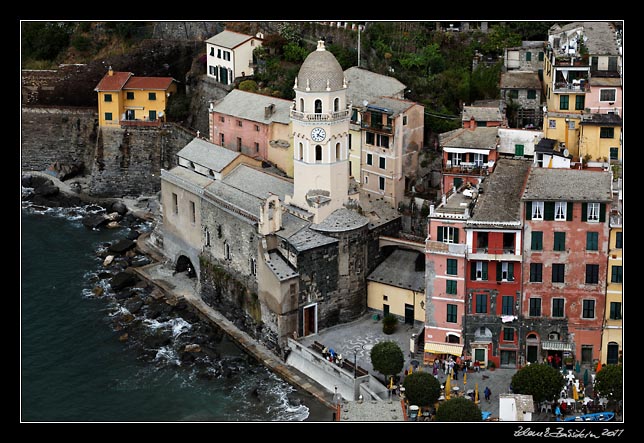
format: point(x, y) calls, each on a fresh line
point(487, 393)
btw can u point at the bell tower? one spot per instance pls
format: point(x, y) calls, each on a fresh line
point(320, 123)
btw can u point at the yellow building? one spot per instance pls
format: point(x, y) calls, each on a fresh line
point(613, 332)
point(127, 100)
point(397, 286)
point(600, 138)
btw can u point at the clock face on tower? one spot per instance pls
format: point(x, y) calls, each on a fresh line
point(318, 134)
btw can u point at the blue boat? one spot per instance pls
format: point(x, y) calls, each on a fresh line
point(595, 416)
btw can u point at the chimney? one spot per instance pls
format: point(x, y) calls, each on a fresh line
point(268, 110)
point(110, 72)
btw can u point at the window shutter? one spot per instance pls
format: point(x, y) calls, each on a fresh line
point(602, 212)
point(569, 211)
point(455, 235)
point(499, 274)
point(510, 271)
point(528, 210)
point(584, 211)
point(484, 271)
point(549, 210)
point(440, 233)
point(473, 271)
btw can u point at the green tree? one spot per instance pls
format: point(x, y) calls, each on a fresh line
point(387, 358)
point(609, 382)
point(542, 381)
point(458, 409)
point(45, 40)
point(248, 85)
point(294, 53)
point(422, 388)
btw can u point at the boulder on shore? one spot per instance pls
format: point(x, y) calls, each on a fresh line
point(94, 221)
point(123, 280)
point(121, 246)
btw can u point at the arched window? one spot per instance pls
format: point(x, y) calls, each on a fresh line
point(301, 105)
point(318, 106)
point(337, 151)
point(300, 152)
point(318, 153)
point(612, 354)
point(336, 104)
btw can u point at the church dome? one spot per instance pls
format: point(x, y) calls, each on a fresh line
point(320, 71)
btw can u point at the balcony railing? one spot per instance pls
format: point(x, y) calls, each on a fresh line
point(141, 123)
point(377, 127)
point(320, 117)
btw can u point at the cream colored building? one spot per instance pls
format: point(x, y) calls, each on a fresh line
point(397, 286)
point(229, 55)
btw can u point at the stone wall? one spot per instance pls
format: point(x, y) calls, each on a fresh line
point(64, 135)
point(128, 162)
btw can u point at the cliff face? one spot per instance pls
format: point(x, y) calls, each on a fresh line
point(117, 162)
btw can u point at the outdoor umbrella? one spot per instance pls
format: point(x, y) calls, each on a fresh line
point(575, 394)
point(599, 367)
point(464, 378)
point(476, 393)
point(586, 377)
point(448, 387)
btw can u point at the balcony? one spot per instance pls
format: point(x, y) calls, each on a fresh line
point(377, 127)
point(574, 86)
point(493, 254)
point(438, 247)
point(320, 117)
point(469, 168)
point(141, 123)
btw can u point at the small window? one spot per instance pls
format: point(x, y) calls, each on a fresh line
point(221, 139)
point(592, 274)
point(381, 183)
point(129, 95)
point(451, 287)
point(593, 212)
point(507, 305)
point(513, 94)
point(616, 274)
point(382, 163)
point(369, 159)
point(227, 252)
point(537, 210)
point(508, 334)
point(239, 143)
point(528, 56)
point(385, 298)
point(481, 303)
point(560, 211)
point(175, 203)
point(558, 271)
point(607, 95)
point(222, 119)
point(606, 132)
point(588, 309)
point(152, 95)
point(239, 123)
point(535, 307)
point(615, 310)
point(592, 241)
point(618, 240)
point(552, 123)
point(559, 243)
point(558, 307)
point(536, 272)
point(256, 128)
point(452, 313)
point(537, 241)
point(108, 97)
point(532, 94)
point(108, 116)
point(614, 153)
point(564, 102)
point(452, 268)
point(193, 212)
point(256, 147)
point(318, 153)
point(404, 120)
point(253, 266)
point(580, 102)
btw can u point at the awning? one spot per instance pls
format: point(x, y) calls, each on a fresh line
point(556, 346)
point(466, 150)
point(444, 348)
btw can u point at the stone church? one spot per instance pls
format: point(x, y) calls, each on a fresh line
point(279, 257)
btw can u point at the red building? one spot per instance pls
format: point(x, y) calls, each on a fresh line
point(565, 256)
point(494, 258)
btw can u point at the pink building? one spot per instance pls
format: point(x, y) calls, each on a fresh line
point(445, 269)
point(605, 95)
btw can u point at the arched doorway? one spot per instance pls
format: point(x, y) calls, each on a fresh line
point(532, 348)
point(185, 265)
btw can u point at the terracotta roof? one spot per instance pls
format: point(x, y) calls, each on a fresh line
point(113, 82)
point(158, 83)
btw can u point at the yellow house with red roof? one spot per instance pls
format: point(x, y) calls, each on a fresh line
point(127, 100)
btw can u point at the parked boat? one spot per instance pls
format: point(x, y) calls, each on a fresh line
point(595, 416)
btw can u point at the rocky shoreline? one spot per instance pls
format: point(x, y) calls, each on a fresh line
point(161, 330)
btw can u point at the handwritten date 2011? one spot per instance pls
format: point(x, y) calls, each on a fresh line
point(560, 432)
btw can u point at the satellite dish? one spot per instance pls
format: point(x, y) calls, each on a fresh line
point(566, 153)
point(365, 103)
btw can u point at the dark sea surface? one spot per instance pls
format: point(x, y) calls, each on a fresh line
point(75, 369)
